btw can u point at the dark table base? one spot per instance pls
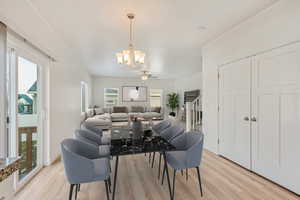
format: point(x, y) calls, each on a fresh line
point(116, 175)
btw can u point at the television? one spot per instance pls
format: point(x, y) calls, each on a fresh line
point(134, 94)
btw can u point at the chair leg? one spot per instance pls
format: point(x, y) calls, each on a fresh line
point(78, 187)
point(153, 160)
point(181, 172)
point(109, 164)
point(150, 158)
point(174, 177)
point(187, 174)
point(109, 184)
point(71, 191)
point(106, 188)
point(76, 191)
point(199, 179)
point(163, 176)
point(159, 165)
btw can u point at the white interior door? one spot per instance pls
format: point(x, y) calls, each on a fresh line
point(276, 107)
point(234, 97)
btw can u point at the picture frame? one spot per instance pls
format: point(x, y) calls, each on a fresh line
point(134, 94)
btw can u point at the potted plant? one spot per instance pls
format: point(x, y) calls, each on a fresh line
point(173, 103)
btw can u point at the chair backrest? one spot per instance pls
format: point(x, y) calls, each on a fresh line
point(158, 128)
point(91, 127)
point(76, 156)
point(172, 132)
point(88, 137)
point(194, 146)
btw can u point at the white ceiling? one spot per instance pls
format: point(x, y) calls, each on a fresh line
point(170, 32)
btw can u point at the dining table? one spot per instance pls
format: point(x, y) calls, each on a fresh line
point(124, 142)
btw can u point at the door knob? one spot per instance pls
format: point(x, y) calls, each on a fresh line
point(246, 118)
point(253, 119)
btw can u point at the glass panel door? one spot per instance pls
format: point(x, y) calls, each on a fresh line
point(27, 115)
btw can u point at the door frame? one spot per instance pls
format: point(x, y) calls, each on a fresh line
point(23, 50)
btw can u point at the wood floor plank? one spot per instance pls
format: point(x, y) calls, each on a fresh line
point(221, 179)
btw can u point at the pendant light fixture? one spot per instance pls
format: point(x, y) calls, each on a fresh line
point(130, 56)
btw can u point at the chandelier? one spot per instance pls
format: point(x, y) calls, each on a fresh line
point(130, 56)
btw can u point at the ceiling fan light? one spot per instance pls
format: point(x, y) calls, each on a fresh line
point(144, 77)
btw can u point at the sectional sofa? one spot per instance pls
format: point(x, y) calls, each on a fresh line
point(103, 117)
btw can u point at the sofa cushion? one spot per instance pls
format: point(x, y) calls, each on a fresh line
point(99, 122)
point(102, 116)
point(119, 115)
point(135, 114)
point(137, 109)
point(119, 109)
point(152, 114)
point(155, 109)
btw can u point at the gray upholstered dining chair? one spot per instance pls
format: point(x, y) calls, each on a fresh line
point(98, 131)
point(158, 128)
point(172, 132)
point(83, 165)
point(91, 127)
point(93, 139)
point(169, 134)
point(188, 154)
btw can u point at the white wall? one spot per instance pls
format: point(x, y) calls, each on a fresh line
point(99, 83)
point(275, 26)
point(65, 102)
point(188, 83)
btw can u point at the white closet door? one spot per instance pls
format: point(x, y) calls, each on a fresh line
point(276, 107)
point(234, 132)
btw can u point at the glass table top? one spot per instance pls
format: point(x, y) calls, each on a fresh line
point(123, 142)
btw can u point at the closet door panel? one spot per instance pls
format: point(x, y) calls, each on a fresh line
point(290, 137)
point(276, 105)
point(266, 139)
point(234, 132)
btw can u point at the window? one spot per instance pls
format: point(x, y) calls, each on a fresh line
point(156, 97)
point(84, 96)
point(111, 97)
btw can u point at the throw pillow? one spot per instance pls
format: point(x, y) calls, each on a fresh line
point(119, 109)
point(89, 113)
point(155, 109)
point(137, 109)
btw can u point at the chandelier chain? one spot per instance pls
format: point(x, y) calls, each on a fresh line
point(130, 36)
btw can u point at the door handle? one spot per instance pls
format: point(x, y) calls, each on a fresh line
point(253, 119)
point(246, 118)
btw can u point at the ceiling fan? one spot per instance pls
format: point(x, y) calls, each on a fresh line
point(145, 75)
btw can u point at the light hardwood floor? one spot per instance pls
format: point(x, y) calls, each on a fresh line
point(221, 180)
